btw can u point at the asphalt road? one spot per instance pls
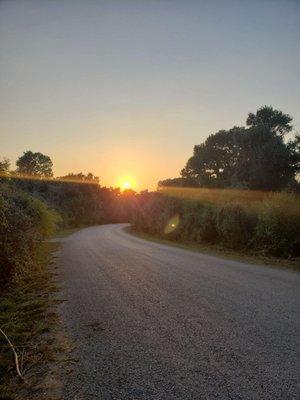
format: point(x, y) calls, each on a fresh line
point(154, 322)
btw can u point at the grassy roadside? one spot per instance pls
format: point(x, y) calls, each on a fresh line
point(28, 316)
point(219, 251)
point(67, 231)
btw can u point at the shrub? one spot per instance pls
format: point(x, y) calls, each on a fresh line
point(270, 225)
point(208, 228)
point(235, 225)
point(24, 222)
point(278, 227)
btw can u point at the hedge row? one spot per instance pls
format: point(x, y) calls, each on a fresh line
point(270, 226)
point(25, 221)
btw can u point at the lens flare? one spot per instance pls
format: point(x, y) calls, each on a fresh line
point(172, 224)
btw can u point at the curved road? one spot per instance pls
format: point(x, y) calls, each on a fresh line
point(154, 322)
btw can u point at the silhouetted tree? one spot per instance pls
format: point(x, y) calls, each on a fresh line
point(256, 157)
point(215, 161)
point(34, 164)
point(274, 120)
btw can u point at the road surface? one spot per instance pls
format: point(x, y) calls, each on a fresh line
point(154, 322)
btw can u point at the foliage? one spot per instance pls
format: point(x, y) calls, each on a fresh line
point(24, 222)
point(4, 166)
point(216, 196)
point(34, 164)
point(268, 224)
point(235, 225)
point(256, 157)
point(188, 181)
point(80, 177)
point(274, 120)
point(278, 227)
point(28, 317)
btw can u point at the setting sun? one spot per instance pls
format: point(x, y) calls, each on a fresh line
point(126, 183)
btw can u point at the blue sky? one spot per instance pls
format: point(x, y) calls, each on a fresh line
point(126, 88)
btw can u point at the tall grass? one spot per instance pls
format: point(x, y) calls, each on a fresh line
point(215, 196)
point(261, 222)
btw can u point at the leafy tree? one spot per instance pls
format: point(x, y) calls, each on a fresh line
point(274, 120)
point(4, 166)
point(256, 157)
point(214, 161)
point(264, 161)
point(34, 164)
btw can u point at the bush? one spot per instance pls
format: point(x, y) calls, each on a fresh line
point(278, 227)
point(24, 222)
point(235, 225)
point(270, 225)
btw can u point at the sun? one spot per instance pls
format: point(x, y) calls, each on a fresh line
point(126, 183)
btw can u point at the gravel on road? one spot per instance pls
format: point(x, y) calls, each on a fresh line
point(154, 322)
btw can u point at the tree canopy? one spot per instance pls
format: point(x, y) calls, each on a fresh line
point(274, 120)
point(34, 164)
point(254, 157)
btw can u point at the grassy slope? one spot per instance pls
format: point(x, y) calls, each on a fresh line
point(29, 318)
point(219, 251)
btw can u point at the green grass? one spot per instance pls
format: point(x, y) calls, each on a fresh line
point(219, 251)
point(27, 315)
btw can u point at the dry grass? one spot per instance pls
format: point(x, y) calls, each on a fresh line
point(216, 196)
point(28, 317)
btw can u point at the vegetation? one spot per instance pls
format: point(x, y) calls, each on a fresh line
point(25, 221)
point(34, 164)
point(256, 157)
point(269, 224)
point(216, 196)
point(28, 317)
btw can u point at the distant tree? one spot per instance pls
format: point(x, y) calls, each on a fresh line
point(214, 161)
point(256, 157)
point(34, 164)
point(4, 166)
point(274, 120)
point(80, 177)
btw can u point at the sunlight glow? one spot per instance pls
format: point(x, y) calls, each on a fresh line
point(126, 183)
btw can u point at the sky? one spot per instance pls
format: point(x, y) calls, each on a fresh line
point(126, 88)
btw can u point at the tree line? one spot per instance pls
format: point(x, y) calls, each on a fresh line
point(253, 157)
